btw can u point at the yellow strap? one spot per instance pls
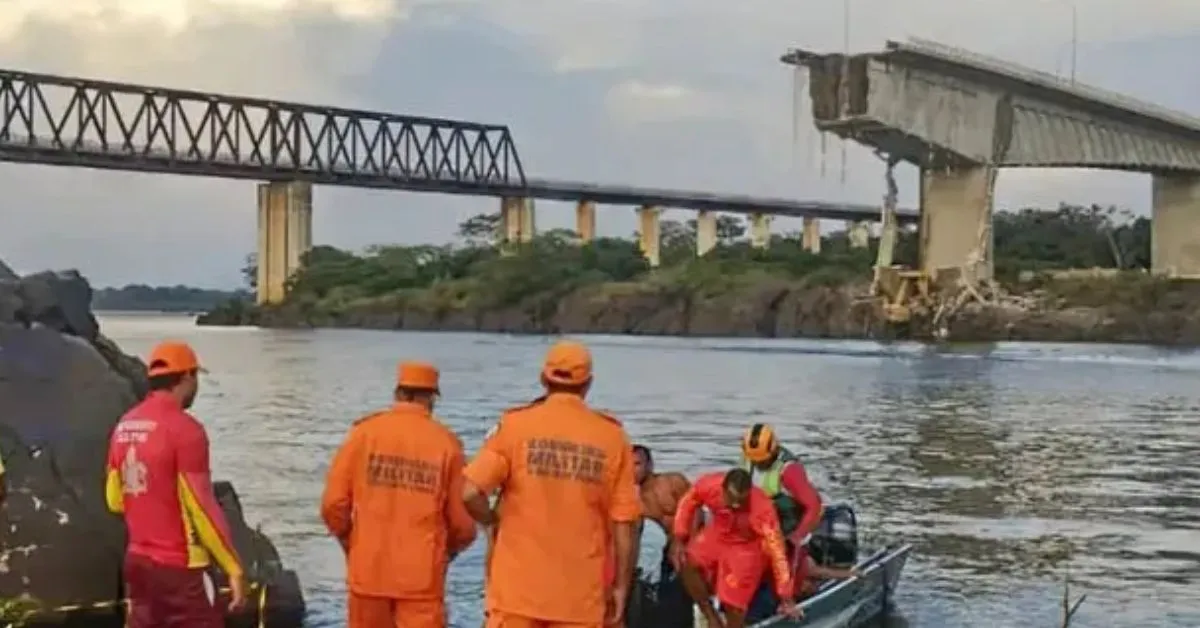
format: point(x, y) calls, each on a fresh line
point(262, 607)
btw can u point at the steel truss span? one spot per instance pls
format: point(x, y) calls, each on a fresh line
point(63, 121)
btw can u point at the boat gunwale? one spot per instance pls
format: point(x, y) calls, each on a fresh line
point(878, 560)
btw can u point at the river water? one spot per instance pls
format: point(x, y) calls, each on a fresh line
point(1007, 466)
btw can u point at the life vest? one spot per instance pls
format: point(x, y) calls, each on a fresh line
point(770, 481)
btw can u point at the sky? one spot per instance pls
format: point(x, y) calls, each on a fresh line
point(669, 93)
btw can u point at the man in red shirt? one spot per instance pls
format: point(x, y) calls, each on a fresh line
point(158, 478)
point(730, 554)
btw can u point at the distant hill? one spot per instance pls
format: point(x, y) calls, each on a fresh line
point(137, 297)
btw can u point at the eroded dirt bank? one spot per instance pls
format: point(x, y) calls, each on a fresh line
point(1126, 309)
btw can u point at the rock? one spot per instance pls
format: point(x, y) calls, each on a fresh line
point(6, 273)
point(63, 386)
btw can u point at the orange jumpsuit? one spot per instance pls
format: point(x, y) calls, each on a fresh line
point(394, 499)
point(567, 475)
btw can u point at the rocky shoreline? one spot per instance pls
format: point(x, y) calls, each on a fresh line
point(1133, 308)
point(63, 386)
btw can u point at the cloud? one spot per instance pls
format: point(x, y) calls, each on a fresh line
point(670, 93)
point(714, 33)
point(636, 101)
point(114, 224)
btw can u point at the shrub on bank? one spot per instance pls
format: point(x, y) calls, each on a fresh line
point(473, 275)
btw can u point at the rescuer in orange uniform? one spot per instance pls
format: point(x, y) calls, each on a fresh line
point(730, 555)
point(566, 472)
point(393, 499)
point(158, 478)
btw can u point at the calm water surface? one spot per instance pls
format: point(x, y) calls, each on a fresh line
point(1007, 466)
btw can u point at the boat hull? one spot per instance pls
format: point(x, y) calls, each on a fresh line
point(855, 601)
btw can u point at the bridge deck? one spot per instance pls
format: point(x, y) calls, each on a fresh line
point(704, 201)
point(936, 105)
point(86, 123)
point(1047, 86)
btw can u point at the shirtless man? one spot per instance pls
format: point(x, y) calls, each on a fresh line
point(661, 493)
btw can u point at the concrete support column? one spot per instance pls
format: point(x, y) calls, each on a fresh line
point(516, 220)
point(1175, 226)
point(858, 232)
point(956, 220)
point(284, 235)
point(811, 237)
point(510, 220)
point(760, 231)
point(706, 232)
point(528, 220)
point(648, 233)
point(585, 221)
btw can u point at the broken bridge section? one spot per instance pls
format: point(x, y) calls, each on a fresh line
point(959, 116)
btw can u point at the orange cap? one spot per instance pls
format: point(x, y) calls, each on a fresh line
point(417, 375)
point(568, 363)
point(171, 357)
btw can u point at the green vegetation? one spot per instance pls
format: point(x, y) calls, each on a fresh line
point(18, 610)
point(474, 277)
point(1069, 238)
point(142, 298)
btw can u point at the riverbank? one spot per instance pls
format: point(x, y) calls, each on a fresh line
point(1125, 308)
point(143, 298)
point(556, 285)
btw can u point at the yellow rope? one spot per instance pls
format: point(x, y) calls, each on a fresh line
point(262, 607)
point(112, 604)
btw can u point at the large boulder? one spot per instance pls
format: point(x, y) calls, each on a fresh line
point(63, 386)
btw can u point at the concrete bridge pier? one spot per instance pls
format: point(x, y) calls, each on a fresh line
point(760, 231)
point(1175, 226)
point(284, 235)
point(585, 221)
point(649, 236)
point(516, 220)
point(810, 238)
point(706, 232)
point(528, 220)
point(956, 219)
point(858, 232)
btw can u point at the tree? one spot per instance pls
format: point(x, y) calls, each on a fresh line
point(250, 271)
point(474, 276)
point(480, 229)
point(677, 241)
point(730, 229)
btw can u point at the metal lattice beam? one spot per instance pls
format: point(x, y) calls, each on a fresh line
point(56, 120)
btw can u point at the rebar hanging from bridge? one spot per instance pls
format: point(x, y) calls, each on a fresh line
point(844, 83)
point(888, 231)
point(798, 83)
point(79, 122)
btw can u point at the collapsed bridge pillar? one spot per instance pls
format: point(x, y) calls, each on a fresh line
point(956, 217)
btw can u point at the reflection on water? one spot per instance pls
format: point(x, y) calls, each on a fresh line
point(1007, 466)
